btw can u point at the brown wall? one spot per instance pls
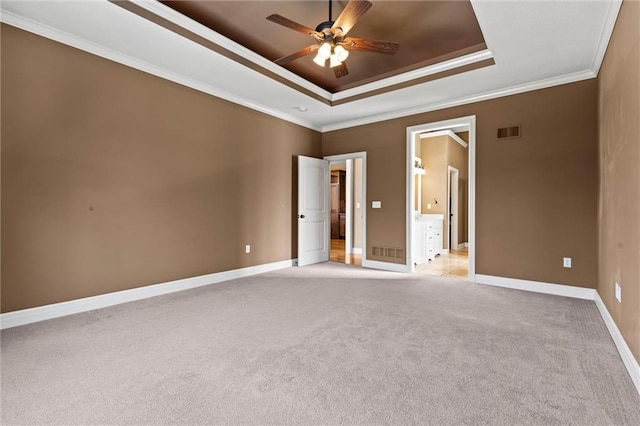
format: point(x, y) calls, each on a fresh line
point(619, 209)
point(114, 179)
point(536, 195)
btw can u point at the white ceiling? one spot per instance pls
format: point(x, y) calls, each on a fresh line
point(535, 44)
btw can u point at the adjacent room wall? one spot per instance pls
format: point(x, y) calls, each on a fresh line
point(536, 195)
point(114, 179)
point(434, 181)
point(619, 195)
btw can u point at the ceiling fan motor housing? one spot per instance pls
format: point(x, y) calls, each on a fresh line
point(325, 27)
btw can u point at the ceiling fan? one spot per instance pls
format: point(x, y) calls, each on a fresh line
point(332, 43)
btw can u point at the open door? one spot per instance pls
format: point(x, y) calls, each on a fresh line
point(313, 210)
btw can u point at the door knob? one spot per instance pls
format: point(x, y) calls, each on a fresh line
point(300, 216)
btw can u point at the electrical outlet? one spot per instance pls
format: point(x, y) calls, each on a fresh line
point(618, 293)
point(566, 262)
point(247, 248)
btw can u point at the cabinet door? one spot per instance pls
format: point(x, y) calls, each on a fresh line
point(419, 243)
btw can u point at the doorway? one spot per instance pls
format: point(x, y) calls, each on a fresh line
point(348, 215)
point(435, 204)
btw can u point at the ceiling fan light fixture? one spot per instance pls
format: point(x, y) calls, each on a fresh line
point(341, 53)
point(334, 61)
point(325, 50)
point(320, 60)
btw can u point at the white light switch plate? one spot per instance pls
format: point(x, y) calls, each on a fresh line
point(376, 204)
point(566, 262)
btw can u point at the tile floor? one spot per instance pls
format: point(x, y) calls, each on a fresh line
point(454, 264)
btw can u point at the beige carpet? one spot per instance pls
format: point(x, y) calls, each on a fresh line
point(325, 344)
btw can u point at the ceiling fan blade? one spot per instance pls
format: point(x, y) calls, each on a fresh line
point(296, 55)
point(286, 22)
point(340, 70)
point(355, 43)
point(350, 15)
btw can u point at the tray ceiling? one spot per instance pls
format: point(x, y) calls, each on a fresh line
point(429, 32)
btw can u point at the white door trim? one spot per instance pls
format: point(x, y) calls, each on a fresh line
point(348, 236)
point(469, 123)
point(352, 156)
point(452, 191)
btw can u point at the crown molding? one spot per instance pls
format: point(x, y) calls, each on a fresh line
point(156, 7)
point(513, 90)
point(65, 38)
point(605, 34)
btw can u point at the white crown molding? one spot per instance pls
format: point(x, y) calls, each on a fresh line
point(514, 90)
point(605, 35)
point(56, 310)
point(168, 13)
point(623, 349)
point(538, 287)
point(446, 132)
point(469, 59)
point(112, 55)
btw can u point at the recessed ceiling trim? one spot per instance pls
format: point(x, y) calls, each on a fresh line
point(415, 74)
point(425, 79)
point(37, 28)
point(514, 90)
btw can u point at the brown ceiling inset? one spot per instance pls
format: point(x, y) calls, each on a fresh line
point(428, 32)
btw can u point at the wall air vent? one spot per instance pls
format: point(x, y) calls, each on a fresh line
point(509, 132)
point(395, 253)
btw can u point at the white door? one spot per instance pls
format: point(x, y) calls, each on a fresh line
point(313, 210)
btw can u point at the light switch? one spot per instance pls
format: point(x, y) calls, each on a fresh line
point(376, 204)
point(357, 205)
point(428, 206)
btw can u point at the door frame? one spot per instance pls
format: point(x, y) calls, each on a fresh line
point(349, 198)
point(413, 132)
point(453, 176)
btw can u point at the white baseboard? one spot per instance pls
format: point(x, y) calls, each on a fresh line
point(462, 245)
point(623, 349)
point(385, 266)
point(41, 313)
point(538, 287)
point(356, 250)
point(579, 293)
